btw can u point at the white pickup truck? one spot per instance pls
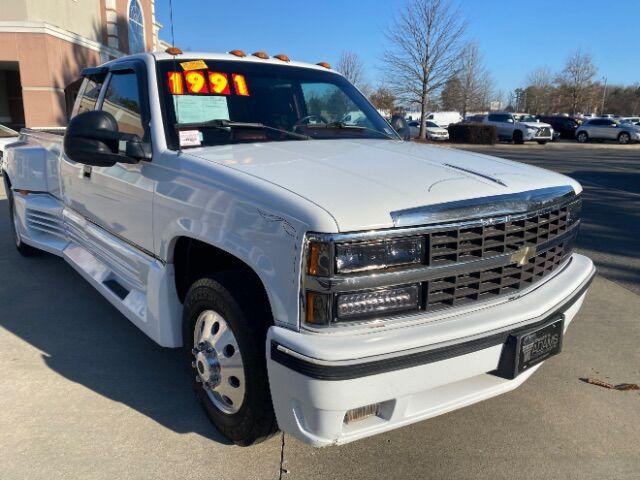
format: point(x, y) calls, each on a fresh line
point(322, 277)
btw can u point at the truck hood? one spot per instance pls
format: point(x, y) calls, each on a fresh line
point(360, 182)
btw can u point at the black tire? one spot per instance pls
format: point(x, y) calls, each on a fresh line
point(230, 294)
point(542, 142)
point(518, 137)
point(582, 137)
point(624, 138)
point(24, 249)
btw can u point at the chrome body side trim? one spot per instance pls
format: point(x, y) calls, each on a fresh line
point(121, 238)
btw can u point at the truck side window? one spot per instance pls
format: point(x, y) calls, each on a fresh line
point(87, 97)
point(122, 100)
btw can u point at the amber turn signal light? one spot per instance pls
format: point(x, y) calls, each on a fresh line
point(238, 53)
point(173, 51)
point(324, 64)
point(282, 57)
point(262, 55)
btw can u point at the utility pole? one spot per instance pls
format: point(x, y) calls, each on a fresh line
point(604, 94)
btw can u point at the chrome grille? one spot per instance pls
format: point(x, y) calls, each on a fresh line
point(467, 244)
point(485, 284)
point(544, 132)
point(492, 254)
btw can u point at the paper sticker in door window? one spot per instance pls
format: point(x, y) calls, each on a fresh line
point(219, 83)
point(200, 108)
point(196, 81)
point(190, 138)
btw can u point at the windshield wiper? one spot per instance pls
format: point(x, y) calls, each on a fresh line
point(346, 126)
point(230, 124)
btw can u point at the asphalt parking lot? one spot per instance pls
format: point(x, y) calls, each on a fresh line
point(86, 395)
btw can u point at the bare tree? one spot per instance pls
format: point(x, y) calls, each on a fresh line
point(383, 99)
point(476, 83)
point(577, 78)
point(451, 94)
point(486, 91)
point(540, 91)
point(350, 65)
point(426, 40)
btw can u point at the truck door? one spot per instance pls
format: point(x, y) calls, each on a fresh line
point(118, 198)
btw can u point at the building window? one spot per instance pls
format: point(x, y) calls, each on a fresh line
point(136, 28)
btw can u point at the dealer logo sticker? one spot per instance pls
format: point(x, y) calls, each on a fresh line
point(540, 347)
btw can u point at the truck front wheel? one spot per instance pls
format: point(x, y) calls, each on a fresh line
point(224, 335)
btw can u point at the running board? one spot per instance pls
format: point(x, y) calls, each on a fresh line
point(116, 287)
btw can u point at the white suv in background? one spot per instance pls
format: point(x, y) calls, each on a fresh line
point(509, 128)
point(608, 129)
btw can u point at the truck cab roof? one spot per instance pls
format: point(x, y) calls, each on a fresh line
point(160, 55)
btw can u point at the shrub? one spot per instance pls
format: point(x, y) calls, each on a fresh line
point(477, 133)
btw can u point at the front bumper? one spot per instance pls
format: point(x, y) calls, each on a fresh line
point(414, 371)
point(535, 137)
point(438, 138)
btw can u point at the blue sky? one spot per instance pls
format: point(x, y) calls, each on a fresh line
point(514, 36)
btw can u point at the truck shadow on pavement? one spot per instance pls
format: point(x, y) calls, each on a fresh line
point(611, 223)
point(86, 340)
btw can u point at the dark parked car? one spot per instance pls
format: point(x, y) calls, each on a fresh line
point(567, 126)
point(474, 118)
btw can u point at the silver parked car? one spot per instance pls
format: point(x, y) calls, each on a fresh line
point(608, 129)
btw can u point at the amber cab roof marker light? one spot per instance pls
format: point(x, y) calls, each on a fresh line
point(324, 64)
point(262, 55)
point(173, 51)
point(238, 53)
point(282, 57)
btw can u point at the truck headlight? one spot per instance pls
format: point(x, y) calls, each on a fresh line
point(361, 305)
point(378, 302)
point(328, 260)
point(364, 256)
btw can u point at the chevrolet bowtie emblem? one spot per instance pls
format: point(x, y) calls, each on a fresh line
point(522, 256)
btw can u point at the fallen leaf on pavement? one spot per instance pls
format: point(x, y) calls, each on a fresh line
point(627, 386)
point(621, 386)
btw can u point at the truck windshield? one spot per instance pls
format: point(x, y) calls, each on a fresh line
point(235, 101)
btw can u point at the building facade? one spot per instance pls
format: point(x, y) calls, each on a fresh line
point(45, 44)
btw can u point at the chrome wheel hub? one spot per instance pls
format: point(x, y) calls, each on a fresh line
point(218, 362)
point(207, 365)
